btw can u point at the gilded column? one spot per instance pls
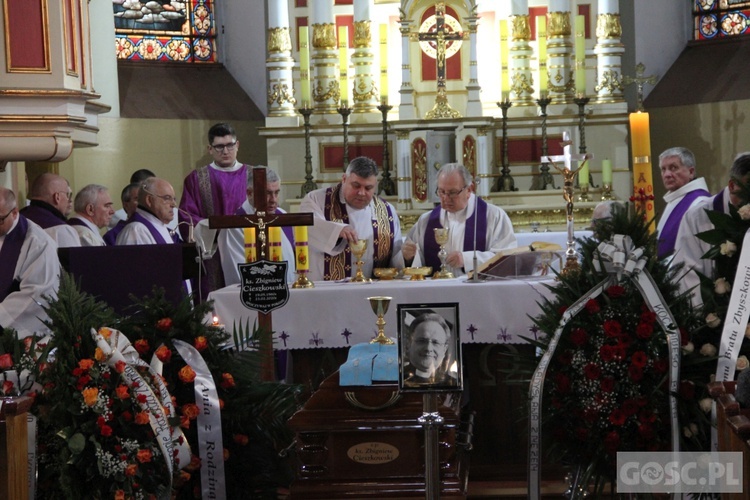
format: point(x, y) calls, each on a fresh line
point(406, 109)
point(364, 92)
point(324, 58)
point(559, 51)
point(403, 166)
point(609, 50)
point(279, 63)
point(474, 104)
point(522, 81)
point(484, 162)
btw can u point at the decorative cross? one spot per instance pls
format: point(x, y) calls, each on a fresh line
point(441, 36)
point(260, 221)
point(640, 81)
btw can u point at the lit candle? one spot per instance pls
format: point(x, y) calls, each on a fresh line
point(583, 174)
point(607, 171)
point(541, 38)
point(304, 65)
point(301, 250)
point(274, 241)
point(640, 143)
point(580, 54)
point(384, 63)
point(344, 64)
point(505, 60)
point(250, 255)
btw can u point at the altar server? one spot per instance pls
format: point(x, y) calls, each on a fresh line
point(459, 210)
point(148, 225)
point(94, 209)
point(232, 241)
point(345, 213)
point(29, 269)
point(683, 191)
point(689, 248)
point(50, 203)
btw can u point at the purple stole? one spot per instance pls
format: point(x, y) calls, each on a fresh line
point(77, 222)
point(9, 257)
point(151, 229)
point(288, 230)
point(44, 214)
point(110, 237)
point(431, 248)
point(339, 266)
point(718, 202)
point(668, 234)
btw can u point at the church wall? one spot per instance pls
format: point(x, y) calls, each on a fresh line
point(104, 65)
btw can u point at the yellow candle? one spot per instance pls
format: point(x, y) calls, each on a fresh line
point(274, 241)
point(583, 175)
point(384, 63)
point(304, 65)
point(643, 183)
point(541, 38)
point(301, 249)
point(250, 255)
point(607, 171)
point(580, 54)
point(505, 59)
point(344, 64)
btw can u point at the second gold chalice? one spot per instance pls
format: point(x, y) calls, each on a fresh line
point(442, 236)
point(380, 307)
point(358, 250)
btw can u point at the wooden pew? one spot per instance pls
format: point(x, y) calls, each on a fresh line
point(14, 475)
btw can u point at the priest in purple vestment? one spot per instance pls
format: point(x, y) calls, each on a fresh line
point(50, 203)
point(129, 199)
point(215, 189)
point(148, 225)
point(683, 191)
point(29, 269)
point(94, 209)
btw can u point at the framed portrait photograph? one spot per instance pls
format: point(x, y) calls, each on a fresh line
point(429, 347)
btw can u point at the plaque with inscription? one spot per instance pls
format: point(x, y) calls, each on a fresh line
point(264, 287)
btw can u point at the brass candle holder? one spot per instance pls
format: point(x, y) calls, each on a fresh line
point(441, 237)
point(358, 249)
point(379, 306)
point(607, 191)
point(302, 280)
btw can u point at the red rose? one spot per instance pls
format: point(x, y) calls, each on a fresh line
point(578, 336)
point(164, 324)
point(592, 306)
point(684, 337)
point(122, 391)
point(186, 374)
point(644, 330)
point(592, 371)
point(120, 366)
point(144, 456)
point(635, 373)
point(241, 439)
point(661, 365)
point(607, 353)
point(141, 345)
point(639, 359)
point(617, 417)
point(105, 430)
point(7, 387)
point(615, 291)
point(612, 328)
point(6, 361)
point(164, 354)
point(200, 343)
point(227, 380)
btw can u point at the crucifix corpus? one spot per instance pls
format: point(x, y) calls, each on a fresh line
point(441, 37)
point(569, 175)
point(261, 221)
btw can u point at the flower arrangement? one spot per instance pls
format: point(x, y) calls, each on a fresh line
point(606, 387)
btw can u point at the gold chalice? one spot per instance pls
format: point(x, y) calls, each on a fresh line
point(385, 273)
point(380, 307)
point(358, 249)
point(442, 235)
point(417, 273)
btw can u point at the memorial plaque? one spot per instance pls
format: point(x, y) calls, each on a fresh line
point(264, 287)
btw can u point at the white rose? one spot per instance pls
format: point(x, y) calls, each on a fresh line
point(728, 248)
point(708, 350)
point(744, 212)
point(706, 404)
point(742, 363)
point(721, 285)
point(712, 320)
point(688, 348)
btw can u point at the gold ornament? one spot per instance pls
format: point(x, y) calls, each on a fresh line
point(279, 40)
point(521, 29)
point(362, 37)
point(324, 36)
point(558, 25)
point(608, 26)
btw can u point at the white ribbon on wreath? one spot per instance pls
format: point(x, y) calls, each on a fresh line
point(620, 260)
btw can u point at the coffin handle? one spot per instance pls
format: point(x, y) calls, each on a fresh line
point(352, 399)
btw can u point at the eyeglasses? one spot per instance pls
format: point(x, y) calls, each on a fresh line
point(2, 219)
point(224, 147)
point(165, 197)
point(429, 342)
point(69, 194)
point(449, 194)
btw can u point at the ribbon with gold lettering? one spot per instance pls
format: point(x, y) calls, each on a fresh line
point(620, 260)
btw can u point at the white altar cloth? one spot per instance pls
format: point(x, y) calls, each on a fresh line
point(339, 314)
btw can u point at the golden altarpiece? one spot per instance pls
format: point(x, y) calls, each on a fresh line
point(418, 83)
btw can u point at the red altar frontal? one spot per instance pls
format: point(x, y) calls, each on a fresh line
point(365, 442)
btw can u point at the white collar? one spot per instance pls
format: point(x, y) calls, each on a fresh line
point(237, 165)
point(699, 183)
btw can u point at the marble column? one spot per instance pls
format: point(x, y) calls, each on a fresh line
point(609, 50)
point(280, 63)
point(406, 110)
point(365, 91)
point(324, 58)
point(474, 104)
point(559, 51)
point(522, 80)
point(403, 166)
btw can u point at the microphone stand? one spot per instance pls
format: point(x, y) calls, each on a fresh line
point(475, 263)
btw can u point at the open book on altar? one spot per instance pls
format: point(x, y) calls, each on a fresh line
point(530, 260)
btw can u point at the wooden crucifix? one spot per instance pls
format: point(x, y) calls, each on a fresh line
point(441, 36)
point(261, 221)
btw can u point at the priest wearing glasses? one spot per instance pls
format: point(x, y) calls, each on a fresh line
point(148, 225)
point(461, 211)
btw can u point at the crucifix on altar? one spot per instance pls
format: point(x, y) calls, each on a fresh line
point(262, 222)
point(441, 36)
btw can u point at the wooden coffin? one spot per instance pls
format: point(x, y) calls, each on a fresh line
point(366, 442)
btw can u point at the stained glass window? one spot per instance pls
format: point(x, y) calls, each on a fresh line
point(716, 19)
point(163, 30)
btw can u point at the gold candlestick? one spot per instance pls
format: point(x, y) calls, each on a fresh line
point(441, 237)
point(358, 249)
point(302, 280)
point(379, 306)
